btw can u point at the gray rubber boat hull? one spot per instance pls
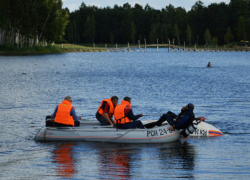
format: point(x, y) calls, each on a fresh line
point(92, 131)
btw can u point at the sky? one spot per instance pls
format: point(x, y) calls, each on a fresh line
point(73, 5)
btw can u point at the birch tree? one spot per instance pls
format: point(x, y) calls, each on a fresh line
point(207, 37)
point(228, 36)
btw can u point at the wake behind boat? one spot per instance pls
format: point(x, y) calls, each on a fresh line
point(92, 131)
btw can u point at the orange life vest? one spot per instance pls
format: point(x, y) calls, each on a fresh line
point(111, 108)
point(63, 113)
point(120, 117)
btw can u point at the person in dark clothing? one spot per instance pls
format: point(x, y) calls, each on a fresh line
point(209, 65)
point(180, 121)
point(124, 116)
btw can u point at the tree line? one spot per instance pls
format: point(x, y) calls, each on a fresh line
point(29, 22)
point(26, 23)
point(219, 23)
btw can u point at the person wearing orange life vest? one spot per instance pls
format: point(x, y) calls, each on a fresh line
point(124, 116)
point(65, 114)
point(105, 112)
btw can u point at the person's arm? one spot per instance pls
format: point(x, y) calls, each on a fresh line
point(73, 113)
point(54, 114)
point(182, 122)
point(105, 113)
point(171, 128)
point(106, 117)
point(131, 115)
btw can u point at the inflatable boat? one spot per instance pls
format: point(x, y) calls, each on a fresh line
point(90, 130)
point(206, 130)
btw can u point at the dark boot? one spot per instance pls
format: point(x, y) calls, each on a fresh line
point(161, 120)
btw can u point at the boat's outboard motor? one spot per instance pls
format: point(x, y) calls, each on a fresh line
point(190, 129)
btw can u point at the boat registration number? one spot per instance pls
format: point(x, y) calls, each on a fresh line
point(159, 132)
point(199, 132)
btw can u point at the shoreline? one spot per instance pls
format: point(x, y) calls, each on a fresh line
point(67, 48)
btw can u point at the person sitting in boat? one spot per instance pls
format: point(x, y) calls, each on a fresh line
point(65, 114)
point(105, 112)
point(124, 115)
point(209, 65)
point(180, 121)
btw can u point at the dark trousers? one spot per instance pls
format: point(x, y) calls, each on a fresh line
point(165, 117)
point(131, 125)
point(51, 123)
point(77, 123)
point(102, 120)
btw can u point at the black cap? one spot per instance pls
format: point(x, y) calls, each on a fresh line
point(190, 106)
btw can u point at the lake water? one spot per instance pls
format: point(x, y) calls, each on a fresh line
point(32, 86)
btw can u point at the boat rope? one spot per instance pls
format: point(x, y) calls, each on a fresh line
point(44, 136)
point(38, 132)
point(152, 114)
point(120, 136)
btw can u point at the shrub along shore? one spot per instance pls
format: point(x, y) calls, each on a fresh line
point(64, 48)
point(56, 48)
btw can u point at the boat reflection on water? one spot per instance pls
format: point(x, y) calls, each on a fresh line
point(125, 161)
point(178, 155)
point(63, 156)
point(121, 160)
point(162, 160)
point(187, 153)
point(115, 161)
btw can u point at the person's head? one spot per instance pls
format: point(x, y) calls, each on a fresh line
point(114, 100)
point(127, 99)
point(190, 106)
point(68, 98)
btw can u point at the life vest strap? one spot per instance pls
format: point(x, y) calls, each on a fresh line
point(119, 120)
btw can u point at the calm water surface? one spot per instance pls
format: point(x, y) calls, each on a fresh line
point(32, 86)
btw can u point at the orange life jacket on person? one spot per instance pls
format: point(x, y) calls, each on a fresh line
point(120, 117)
point(63, 113)
point(111, 108)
